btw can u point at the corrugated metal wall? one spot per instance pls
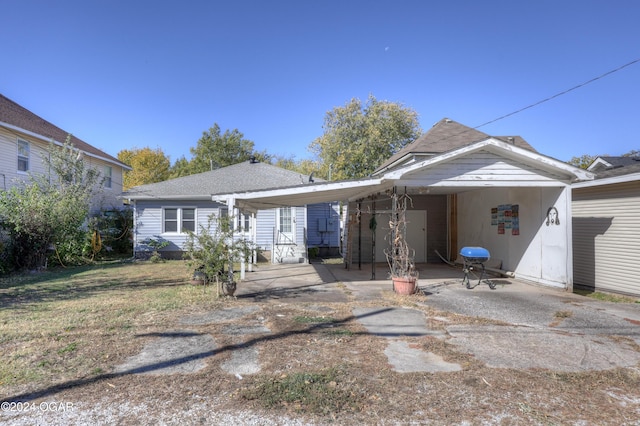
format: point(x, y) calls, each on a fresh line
point(606, 237)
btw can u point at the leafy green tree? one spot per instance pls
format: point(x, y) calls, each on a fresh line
point(148, 166)
point(360, 137)
point(180, 168)
point(304, 166)
point(48, 211)
point(216, 150)
point(583, 161)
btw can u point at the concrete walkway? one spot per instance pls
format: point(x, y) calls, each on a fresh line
point(540, 327)
point(519, 325)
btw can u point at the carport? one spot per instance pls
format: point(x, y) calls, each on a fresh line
point(510, 200)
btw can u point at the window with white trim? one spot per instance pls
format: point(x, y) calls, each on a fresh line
point(108, 173)
point(179, 219)
point(23, 155)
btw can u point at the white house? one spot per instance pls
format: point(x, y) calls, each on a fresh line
point(468, 189)
point(24, 140)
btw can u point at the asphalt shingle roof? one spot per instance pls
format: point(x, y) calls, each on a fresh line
point(20, 117)
point(241, 177)
point(447, 135)
point(632, 167)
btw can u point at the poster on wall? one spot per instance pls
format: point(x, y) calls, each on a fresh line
point(494, 216)
point(515, 219)
point(506, 216)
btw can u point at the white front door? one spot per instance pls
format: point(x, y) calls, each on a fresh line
point(285, 221)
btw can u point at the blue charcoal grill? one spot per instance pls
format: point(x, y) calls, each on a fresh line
point(474, 257)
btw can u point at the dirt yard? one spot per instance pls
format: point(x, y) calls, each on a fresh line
point(71, 344)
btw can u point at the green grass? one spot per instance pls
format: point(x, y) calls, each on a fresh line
point(318, 392)
point(313, 320)
point(607, 297)
point(57, 325)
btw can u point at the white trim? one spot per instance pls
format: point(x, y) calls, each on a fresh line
point(598, 161)
point(631, 177)
point(501, 148)
point(179, 219)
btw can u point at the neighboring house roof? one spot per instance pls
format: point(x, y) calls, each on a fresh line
point(18, 118)
point(446, 135)
point(606, 163)
point(245, 176)
point(621, 170)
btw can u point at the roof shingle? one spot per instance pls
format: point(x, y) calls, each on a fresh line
point(447, 135)
point(241, 177)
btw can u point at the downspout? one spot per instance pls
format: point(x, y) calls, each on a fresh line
point(360, 238)
point(569, 224)
point(135, 226)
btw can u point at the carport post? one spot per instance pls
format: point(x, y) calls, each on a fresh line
point(231, 206)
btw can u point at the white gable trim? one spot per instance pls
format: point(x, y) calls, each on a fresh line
point(500, 148)
point(599, 161)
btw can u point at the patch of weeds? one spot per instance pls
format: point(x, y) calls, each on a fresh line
point(339, 332)
point(563, 314)
point(305, 392)
point(313, 320)
point(606, 297)
point(96, 371)
point(69, 348)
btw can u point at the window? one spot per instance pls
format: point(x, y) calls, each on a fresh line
point(185, 217)
point(246, 222)
point(23, 156)
point(108, 172)
point(286, 220)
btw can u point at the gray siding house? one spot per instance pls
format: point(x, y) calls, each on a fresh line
point(164, 211)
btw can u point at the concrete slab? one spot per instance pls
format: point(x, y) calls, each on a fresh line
point(178, 351)
point(407, 359)
point(243, 361)
point(527, 348)
point(394, 322)
point(219, 315)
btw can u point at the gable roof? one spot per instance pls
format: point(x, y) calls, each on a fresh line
point(446, 135)
point(16, 117)
point(245, 176)
point(606, 163)
point(551, 172)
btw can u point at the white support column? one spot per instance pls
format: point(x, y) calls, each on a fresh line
point(234, 213)
point(254, 239)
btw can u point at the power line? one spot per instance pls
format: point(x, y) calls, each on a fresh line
point(564, 92)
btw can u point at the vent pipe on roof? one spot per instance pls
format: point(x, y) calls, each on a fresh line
point(512, 140)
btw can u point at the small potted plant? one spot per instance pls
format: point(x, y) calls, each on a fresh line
point(400, 256)
point(212, 249)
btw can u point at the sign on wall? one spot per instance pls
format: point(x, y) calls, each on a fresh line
point(506, 217)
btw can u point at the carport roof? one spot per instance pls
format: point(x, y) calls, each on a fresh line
point(352, 190)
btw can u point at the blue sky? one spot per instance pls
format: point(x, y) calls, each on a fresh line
point(136, 73)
